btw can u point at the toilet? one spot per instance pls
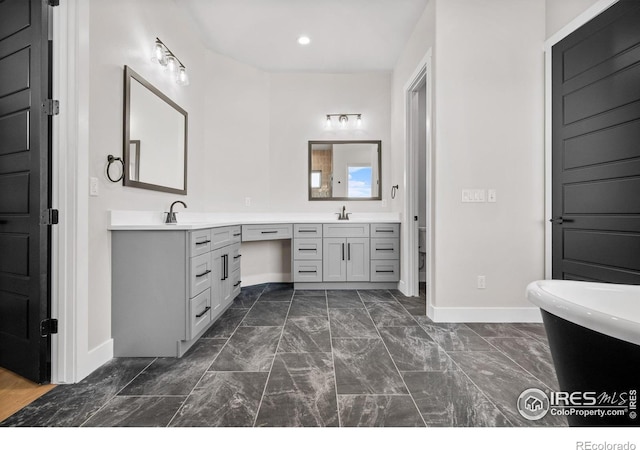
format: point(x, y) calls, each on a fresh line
point(422, 239)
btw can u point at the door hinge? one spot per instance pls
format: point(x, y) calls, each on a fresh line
point(48, 327)
point(49, 217)
point(51, 107)
point(54, 2)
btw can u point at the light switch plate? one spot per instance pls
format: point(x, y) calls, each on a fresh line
point(93, 187)
point(491, 196)
point(473, 196)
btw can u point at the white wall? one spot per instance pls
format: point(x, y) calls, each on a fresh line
point(560, 12)
point(488, 133)
point(490, 129)
point(299, 104)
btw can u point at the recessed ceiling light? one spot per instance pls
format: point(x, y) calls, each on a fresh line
point(304, 40)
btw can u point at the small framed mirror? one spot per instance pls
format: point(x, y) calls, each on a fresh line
point(155, 138)
point(345, 170)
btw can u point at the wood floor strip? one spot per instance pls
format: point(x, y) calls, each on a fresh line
point(17, 392)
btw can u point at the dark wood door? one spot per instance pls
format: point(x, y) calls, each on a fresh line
point(24, 187)
point(596, 149)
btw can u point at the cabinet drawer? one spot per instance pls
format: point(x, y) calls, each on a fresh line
point(307, 230)
point(266, 232)
point(200, 312)
point(307, 249)
point(200, 242)
point(200, 273)
point(382, 270)
point(223, 236)
point(385, 230)
point(307, 271)
point(385, 248)
point(236, 233)
point(345, 230)
point(234, 257)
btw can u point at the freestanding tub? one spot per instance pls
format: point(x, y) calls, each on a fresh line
point(594, 336)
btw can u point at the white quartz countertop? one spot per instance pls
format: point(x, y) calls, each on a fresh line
point(153, 220)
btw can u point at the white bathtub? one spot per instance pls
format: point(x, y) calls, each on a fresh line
point(611, 309)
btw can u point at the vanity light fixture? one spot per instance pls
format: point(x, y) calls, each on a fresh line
point(165, 57)
point(343, 119)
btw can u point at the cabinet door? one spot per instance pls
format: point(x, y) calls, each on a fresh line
point(334, 261)
point(217, 275)
point(358, 259)
point(225, 283)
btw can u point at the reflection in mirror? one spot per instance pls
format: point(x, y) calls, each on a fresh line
point(344, 170)
point(155, 138)
point(134, 160)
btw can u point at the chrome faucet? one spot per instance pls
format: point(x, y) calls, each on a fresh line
point(171, 216)
point(344, 215)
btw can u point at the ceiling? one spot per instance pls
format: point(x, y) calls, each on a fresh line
point(346, 35)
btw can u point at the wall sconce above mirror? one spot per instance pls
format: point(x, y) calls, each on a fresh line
point(343, 120)
point(155, 138)
point(345, 170)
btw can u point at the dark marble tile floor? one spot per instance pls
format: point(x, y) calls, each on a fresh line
point(284, 358)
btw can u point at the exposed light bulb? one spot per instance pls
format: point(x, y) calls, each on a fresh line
point(343, 121)
point(157, 53)
point(328, 122)
point(172, 64)
point(183, 78)
point(304, 40)
point(359, 121)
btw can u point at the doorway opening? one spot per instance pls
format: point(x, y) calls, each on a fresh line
point(419, 198)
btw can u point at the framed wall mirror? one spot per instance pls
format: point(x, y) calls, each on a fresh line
point(345, 170)
point(155, 138)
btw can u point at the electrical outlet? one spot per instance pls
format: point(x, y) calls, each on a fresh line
point(482, 282)
point(491, 196)
point(93, 187)
point(247, 201)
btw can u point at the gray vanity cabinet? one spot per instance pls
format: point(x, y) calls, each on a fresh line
point(345, 255)
point(385, 252)
point(345, 259)
point(346, 252)
point(169, 286)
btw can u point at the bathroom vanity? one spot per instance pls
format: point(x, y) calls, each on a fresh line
point(169, 286)
point(346, 255)
point(170, 283)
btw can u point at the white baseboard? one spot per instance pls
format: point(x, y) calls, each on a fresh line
point(261, 278)
point(484, 315)
point(95, 358)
